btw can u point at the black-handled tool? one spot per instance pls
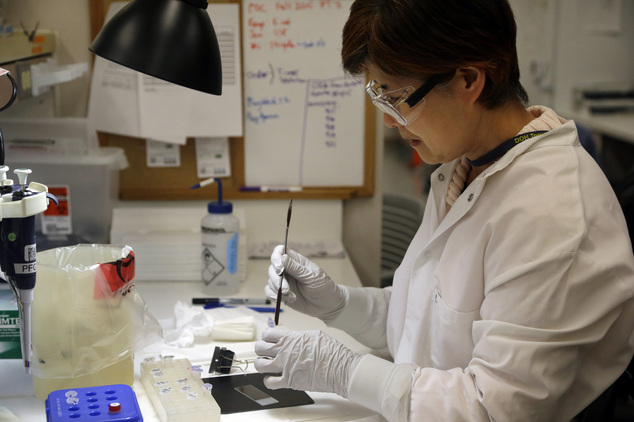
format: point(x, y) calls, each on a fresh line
point(278, 304)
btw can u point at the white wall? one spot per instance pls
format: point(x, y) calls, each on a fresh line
point(584, 56)
point(536, 31)
point(556, 43)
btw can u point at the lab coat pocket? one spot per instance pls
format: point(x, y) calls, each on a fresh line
point(450, 335)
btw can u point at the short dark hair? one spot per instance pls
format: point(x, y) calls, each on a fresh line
point(418, 38)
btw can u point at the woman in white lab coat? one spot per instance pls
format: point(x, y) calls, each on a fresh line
point(514, 301)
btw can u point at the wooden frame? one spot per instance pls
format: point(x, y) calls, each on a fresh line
point(139, 182)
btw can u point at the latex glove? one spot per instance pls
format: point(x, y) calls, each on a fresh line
point(306, 287)
point(305, 360)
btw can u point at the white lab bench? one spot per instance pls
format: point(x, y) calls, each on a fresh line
point(16, 387)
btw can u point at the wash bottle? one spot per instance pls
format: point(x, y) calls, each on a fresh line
point(219, 252)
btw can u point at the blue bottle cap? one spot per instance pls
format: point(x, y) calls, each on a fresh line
point(220, 207)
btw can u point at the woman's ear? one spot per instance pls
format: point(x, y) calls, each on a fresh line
point(471, 82)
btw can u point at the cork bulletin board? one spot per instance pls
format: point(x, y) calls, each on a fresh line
point(140, 182)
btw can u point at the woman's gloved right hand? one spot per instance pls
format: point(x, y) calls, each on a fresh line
point(305, 287)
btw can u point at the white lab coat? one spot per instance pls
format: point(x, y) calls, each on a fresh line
point(515, 306)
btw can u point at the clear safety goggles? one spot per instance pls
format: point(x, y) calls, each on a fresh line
point(399, 103)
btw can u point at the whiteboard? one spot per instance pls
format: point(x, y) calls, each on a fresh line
point(303, 116)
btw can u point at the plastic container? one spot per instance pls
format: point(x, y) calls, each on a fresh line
point(88, 189)
point(121, 372)
point(88, 320)
point(219, 248)
point(177, 392)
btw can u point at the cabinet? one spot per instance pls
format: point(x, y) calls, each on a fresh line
point(30, 60)
point(18, 54)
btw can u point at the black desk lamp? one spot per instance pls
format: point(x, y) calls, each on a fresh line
point(173, 40)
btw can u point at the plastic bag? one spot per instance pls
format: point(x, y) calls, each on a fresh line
point(86, 313)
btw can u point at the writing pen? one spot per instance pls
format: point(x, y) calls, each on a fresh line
point(262, 309)
point(271, 188)
point(230, 301)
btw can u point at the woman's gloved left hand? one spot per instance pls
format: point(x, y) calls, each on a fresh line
point(305, 360)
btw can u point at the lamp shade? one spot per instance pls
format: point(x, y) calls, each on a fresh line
point(173, 40)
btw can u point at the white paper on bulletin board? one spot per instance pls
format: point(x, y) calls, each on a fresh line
point(127, 102)
point(304, 118)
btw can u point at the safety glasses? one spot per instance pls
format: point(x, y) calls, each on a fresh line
point(389, 101)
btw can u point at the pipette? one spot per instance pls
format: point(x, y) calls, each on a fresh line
point(17, 233)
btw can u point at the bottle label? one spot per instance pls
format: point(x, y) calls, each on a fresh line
point(213, 230)
point(232, 254)
point(219, 258)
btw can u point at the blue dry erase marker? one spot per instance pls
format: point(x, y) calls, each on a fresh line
point(271, 188)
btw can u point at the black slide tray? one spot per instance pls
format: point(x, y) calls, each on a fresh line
point(231, 401)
